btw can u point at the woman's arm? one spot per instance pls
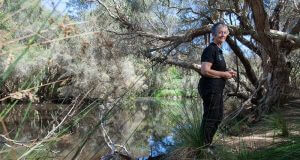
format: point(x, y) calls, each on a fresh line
point(208, 72)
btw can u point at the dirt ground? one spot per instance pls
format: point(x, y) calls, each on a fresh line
point(261, 135)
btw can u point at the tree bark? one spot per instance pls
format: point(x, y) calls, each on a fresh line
point(276, 84)
point(274, 62)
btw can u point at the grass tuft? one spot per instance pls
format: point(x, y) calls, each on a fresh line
point(187, 129)
point(289, 150)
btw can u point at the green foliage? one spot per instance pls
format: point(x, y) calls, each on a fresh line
point(289, 150)
point(3, 25)
point(170, 103)
point(11, 6)
point(169, 93)
point(172, 82)
point(174, 73)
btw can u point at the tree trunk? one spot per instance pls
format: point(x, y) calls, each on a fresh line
point(276, 85)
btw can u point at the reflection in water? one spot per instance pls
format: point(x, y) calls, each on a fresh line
point(171, 111)
point(145, 128)
point(159, 147)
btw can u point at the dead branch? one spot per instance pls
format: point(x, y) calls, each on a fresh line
point(286, 37)
point(245, 104)
point(14, 141)
point(22, 93)
point(48, 136)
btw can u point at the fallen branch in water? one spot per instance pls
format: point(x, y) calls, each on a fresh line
point(112, 146)
point(48, 136)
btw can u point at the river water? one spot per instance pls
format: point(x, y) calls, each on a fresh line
point(144, 128)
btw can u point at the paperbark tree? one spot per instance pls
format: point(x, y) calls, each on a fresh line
point(270, 29)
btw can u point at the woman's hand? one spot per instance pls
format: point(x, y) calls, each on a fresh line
point(233, 73)
point(227, 75)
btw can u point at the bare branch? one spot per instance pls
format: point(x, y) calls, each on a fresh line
point(283, 36)
point(239, 95)
point(286, 24)
point(110, 143)
point(190, 34)
point(108, 10)
point(245, 104)
point(249, 44)
point(14, 141)
point(249, 71)
point(176, 62)
point(264, 35)
point(123, 19)
point(230, 93)
point(241, 15)
point(296, 5)
point(275, 19)
point(48, 136)
point(189, 9)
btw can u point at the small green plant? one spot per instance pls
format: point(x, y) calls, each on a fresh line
point(174, 73)
point(278, 123)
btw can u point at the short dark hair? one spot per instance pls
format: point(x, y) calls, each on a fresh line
point(214, 28)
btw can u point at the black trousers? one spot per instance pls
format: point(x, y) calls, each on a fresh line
point(212, 116)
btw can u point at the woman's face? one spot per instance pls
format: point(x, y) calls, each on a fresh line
point(221, 34)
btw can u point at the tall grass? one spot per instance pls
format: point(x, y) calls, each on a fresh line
point(277, 122)
point(41, 147)
point(188, 134)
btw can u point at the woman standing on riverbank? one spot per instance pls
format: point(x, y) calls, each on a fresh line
point(214, 75)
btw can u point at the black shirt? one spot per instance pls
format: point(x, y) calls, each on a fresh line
point(214, 55)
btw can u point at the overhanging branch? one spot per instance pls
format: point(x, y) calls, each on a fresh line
point(249, 71)
point(193, 33)
point(172, 61)
point(290, 39)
